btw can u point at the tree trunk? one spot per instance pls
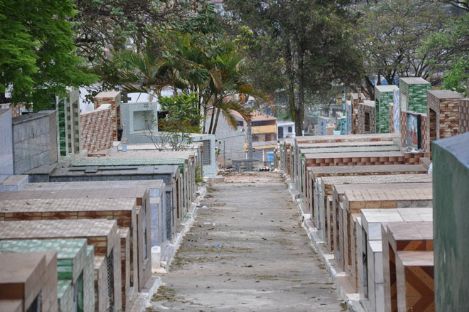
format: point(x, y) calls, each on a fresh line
point(250, 148)
point(370, 88)
point(216, 121)
point(300, 107)
point(291, 80)
point(211, 120)
point(205, 108)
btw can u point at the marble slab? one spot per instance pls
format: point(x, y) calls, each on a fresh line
point(415, 281)
point(401, 236)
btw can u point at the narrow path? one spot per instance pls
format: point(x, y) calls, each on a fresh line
point(247, 252)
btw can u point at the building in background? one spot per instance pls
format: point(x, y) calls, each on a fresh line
point(264, 135)
point(285, 129)
point(230, 140)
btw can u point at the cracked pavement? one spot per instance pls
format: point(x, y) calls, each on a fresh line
point(247, 252)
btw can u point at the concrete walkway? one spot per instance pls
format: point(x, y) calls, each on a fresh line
point(247, 252)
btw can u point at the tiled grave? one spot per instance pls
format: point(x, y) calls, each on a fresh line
point(102, 234)
point(384, 98)
point(314, 173)
point(72, 267)
point(350, 199)
point(369, 250)
point(76, 204)
point(30, 279)
point(401, 236)
point(114, 190)
point(323, 189)
point(415, 281)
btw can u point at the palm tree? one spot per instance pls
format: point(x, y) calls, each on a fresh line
point(226, 81)
point(211, 69)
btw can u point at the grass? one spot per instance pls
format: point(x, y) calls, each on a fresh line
point(164, 293)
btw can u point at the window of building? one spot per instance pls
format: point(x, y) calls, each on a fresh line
point(290, 129)
point(280, 132)
point(262, 123)
point(206, 152)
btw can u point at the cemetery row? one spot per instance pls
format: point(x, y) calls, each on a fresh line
point(387, 209)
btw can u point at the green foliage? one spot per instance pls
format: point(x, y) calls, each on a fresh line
point(183, 114)
point(37, 51)
point(111, 25)
point(392, 32)
point(457, 78)
point(449, 50)
point(304, 47)
point(192, 55)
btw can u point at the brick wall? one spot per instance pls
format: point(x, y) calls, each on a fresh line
point(464, 116)
point(364, 109)
point(96, 130)
point(113, 98)
point(449, 114)
point(425, 131)
point(362, 160)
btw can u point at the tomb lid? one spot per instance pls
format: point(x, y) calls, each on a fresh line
point(413, 80)
point(416, 258)
point(386, 88)
point(445, 94)
point(458, 146)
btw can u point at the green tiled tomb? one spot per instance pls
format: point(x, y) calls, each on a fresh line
point(384, 99)
point(413, 92)
point(75, 269)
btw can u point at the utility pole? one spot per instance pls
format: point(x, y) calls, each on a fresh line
point(249, 138)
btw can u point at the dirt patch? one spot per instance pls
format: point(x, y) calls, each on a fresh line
point(251, 177)
point(266, 277)
point(165, 293)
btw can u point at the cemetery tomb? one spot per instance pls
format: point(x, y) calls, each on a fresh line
point(350, 199)
point(122, 210)
point(415, 281)
point(102, 234)
point(313, 173)
point(369, 250)
point(29, 280)
point(384, 95)
point(402, 236)
point(74, 268)
point(324, 190)
point(413, 94)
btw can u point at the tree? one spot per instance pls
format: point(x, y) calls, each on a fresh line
point(191, 56)
point(104, 27)
point(182, 114)
point(37, 52)
point(392, 32)
point(450, 46)
point(313, 43)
